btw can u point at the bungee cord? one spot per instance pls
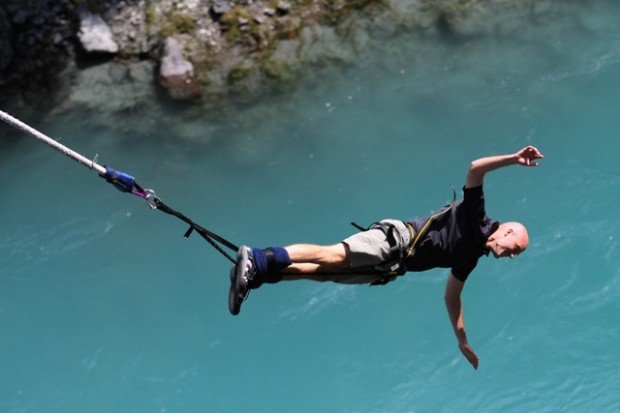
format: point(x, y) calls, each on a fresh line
point(16, 123)
point(125, 183)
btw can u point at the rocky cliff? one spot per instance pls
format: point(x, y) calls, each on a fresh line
point(119, 55)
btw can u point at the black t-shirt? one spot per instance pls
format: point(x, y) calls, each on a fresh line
point(455, 240)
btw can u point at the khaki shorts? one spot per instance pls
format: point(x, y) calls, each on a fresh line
point(371, 248)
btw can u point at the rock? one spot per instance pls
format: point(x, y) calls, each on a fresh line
point(220, 7)
point(21, 16)
point(111, 87)
point(38, 21)
point(283, 7)
point(176, 74)
point(57, 38)
point(6, 50)
point(94, 34)
point(267, 11)
point(141, 73)
point(173, 63)
point(133, 27)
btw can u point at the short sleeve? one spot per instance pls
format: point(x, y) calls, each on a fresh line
point(461, 273)
point(473, 200)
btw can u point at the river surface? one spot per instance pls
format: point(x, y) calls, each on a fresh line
point(104, 307)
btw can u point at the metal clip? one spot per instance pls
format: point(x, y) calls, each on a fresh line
point(151, 198)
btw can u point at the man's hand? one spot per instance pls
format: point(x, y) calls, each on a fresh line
point(469, 354)
point(479, 167)
point(528, 155)
point(454, 287)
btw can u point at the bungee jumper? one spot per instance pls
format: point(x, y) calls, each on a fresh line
point(455, 237)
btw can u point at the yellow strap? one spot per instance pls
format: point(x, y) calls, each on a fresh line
point(417, 237)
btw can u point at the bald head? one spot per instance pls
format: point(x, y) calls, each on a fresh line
point(509, 240)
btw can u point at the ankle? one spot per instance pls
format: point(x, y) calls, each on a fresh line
point(268, 264)
point(277, 258)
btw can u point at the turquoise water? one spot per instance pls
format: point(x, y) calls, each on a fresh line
point(104, 307)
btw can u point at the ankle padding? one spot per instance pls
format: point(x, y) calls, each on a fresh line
point(277, 258)
point(259, 260)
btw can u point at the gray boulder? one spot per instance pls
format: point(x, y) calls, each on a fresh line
point(176, 74)
point(94, 34)
point(220, 7)
point(110, 87)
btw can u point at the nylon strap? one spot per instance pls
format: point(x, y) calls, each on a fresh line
point(209, 236)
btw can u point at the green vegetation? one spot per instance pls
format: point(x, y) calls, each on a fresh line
point(238, 74)
point(336, 10)
point(289, 28)
point(278, 70)
point(177, 23)
point(230, 22)
point(150, 18)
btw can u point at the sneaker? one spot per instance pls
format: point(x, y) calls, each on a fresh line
point(233, 305)
point(240, 276)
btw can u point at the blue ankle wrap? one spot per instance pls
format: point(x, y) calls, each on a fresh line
point(260, 260)
point(279, 258)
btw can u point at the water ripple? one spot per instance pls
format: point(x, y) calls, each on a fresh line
point(25, 245)
point(319, 299)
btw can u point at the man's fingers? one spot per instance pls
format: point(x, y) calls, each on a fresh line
point(470, 355)
point(530, 149)
point(528, 154)
point(527, 162)
point(533, 152)
point(473, 359)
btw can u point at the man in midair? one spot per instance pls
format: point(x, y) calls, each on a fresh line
point(455, 237)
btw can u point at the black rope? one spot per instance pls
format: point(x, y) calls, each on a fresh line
point(358, 226)
point(209, 236)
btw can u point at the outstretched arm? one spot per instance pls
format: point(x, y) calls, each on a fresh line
point(455, 312)
point(479, 167)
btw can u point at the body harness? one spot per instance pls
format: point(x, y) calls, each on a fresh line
point(395, 265)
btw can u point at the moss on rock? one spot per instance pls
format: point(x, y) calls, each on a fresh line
point(278, 70)
point(177, 23)
point(238, 74)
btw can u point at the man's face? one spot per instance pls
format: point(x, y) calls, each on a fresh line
point(508, 241)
